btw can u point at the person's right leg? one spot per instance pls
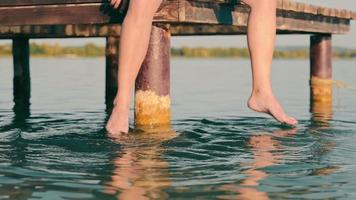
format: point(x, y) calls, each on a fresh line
point(134, 39)
point(261, 33)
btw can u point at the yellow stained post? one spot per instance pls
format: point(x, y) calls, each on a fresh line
point(321, 83)
point(152, 96)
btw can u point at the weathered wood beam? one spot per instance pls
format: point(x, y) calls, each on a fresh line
point(4, 3)
point(152, 96)
point(223, 14)
point(101, 30)
point(88, 13)
point(60, 31)
point(51, 2)
point(282, 4)
point(290, 18)
point(288, 5)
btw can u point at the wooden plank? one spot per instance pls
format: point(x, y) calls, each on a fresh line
point(55, 2)
point(210, 13)
point(45, 2)
point(311, 9)
point(297, 25)
point(201, 29)
point(62, 31)
point(91, 13)
point(284, 26)
point(281, 4)
point(59, 14)
point(178, 11)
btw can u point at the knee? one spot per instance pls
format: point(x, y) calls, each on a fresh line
point(269, 5)
point(143, 10)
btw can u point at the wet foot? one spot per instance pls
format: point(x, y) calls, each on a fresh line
point(267, 103)
point(118, 122)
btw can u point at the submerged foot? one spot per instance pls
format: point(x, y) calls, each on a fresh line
point(118, 122)
point(267, 103)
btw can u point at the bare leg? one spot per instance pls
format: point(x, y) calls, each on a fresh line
point(261, 33)
point(134, 40)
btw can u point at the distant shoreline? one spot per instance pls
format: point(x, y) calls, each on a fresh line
point(93, 50)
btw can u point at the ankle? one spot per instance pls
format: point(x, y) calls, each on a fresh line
point(121, 103)
point(262, 92)
point(121, 109)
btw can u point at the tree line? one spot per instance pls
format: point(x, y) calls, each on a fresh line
point(93, 50)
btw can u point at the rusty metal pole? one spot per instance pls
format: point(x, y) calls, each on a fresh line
point(112, 66)
point(152, 95)
point(21, 80)
point(321, 75)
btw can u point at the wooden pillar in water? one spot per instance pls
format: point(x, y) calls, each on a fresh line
point(21, 80)
point(152, 95)
point(321, 82)
point(112, 65)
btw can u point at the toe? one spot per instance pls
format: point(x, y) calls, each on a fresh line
point(291, 121)
point(295, 121)
point(109, 129)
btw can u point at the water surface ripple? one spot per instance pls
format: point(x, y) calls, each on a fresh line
point(216, 148)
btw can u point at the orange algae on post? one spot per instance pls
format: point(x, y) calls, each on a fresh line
point(152, 109)
point(321, 89)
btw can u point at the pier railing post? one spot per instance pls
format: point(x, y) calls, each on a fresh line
point(152, 95)
point(21, 80)
point(112, 65)
point(321, 75)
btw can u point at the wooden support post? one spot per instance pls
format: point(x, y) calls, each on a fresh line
point(152, 96)
point(112, 65)
point(21, 80)
point(321, 76)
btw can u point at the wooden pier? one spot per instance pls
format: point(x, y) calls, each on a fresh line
point(21, 20)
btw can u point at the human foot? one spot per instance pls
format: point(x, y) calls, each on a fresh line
point(118, 122)
point(267, 103)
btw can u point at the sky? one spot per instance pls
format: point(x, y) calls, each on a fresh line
point(348, 40)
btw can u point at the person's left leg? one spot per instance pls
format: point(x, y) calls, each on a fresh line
point(261, 32)
point(134, 40)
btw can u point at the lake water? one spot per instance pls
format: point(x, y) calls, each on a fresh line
point(57, 148)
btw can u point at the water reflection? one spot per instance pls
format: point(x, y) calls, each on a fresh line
point(140, 171)
point(22, 112)
point(321, 110)
point(268, 150)
point(65, 154)
point(321, 103)
point(265, 152)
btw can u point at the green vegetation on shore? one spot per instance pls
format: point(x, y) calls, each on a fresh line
point(282, 53)
point(55, 50)
point(93, 50)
